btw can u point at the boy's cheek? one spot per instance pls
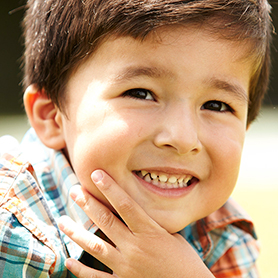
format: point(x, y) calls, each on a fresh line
point(85, 180)
point(83, 166)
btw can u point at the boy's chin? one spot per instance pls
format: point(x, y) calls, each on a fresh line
point(172, 229)
point(172, 226)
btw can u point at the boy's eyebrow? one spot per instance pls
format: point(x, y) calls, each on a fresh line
point(132, 72)
point(154, 72)
point(237, 90)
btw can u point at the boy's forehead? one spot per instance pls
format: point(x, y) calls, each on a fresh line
point(172, 35)
point(176, 36)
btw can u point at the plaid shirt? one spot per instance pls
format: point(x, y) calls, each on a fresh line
point(34, 194)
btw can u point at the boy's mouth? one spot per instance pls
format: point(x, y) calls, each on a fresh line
point(166, 181)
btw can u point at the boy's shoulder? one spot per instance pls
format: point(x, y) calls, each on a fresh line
point(8, 144)
point(30, 149)
point(22, 231)
point(26, 228)
point(30, 204)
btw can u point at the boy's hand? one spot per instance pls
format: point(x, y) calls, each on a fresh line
point(143, 248)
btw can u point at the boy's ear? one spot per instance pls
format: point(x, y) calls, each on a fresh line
point(44, 117)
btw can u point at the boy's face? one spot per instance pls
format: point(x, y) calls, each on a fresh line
point(173, 108)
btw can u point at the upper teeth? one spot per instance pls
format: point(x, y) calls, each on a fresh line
point(164, 181)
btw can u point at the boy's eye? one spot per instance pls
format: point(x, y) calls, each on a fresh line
point(139, 93)
point(217, 106)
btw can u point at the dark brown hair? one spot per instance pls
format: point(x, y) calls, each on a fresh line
point(61, 34)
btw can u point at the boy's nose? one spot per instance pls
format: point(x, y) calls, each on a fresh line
point(179, 131)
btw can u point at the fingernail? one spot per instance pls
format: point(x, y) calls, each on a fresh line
point(68, 264)
point(97, 176)
point(61, 226)
point(75, 191)
point(63, 221)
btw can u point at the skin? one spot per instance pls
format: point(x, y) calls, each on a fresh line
point(187, 116)
point(170, 133)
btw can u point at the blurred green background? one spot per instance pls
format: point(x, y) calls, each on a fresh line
point(257, 188)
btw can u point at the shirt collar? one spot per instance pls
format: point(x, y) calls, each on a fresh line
point(66, 178)
point(56, 177)
point(200, 233)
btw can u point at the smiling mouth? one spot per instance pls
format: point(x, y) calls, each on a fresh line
point(166, 181)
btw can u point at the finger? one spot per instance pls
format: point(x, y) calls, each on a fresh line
point(91, 243)
point(82, 271)
point(133, 215)
point(102, 216)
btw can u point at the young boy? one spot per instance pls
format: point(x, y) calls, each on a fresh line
point(139, 109)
